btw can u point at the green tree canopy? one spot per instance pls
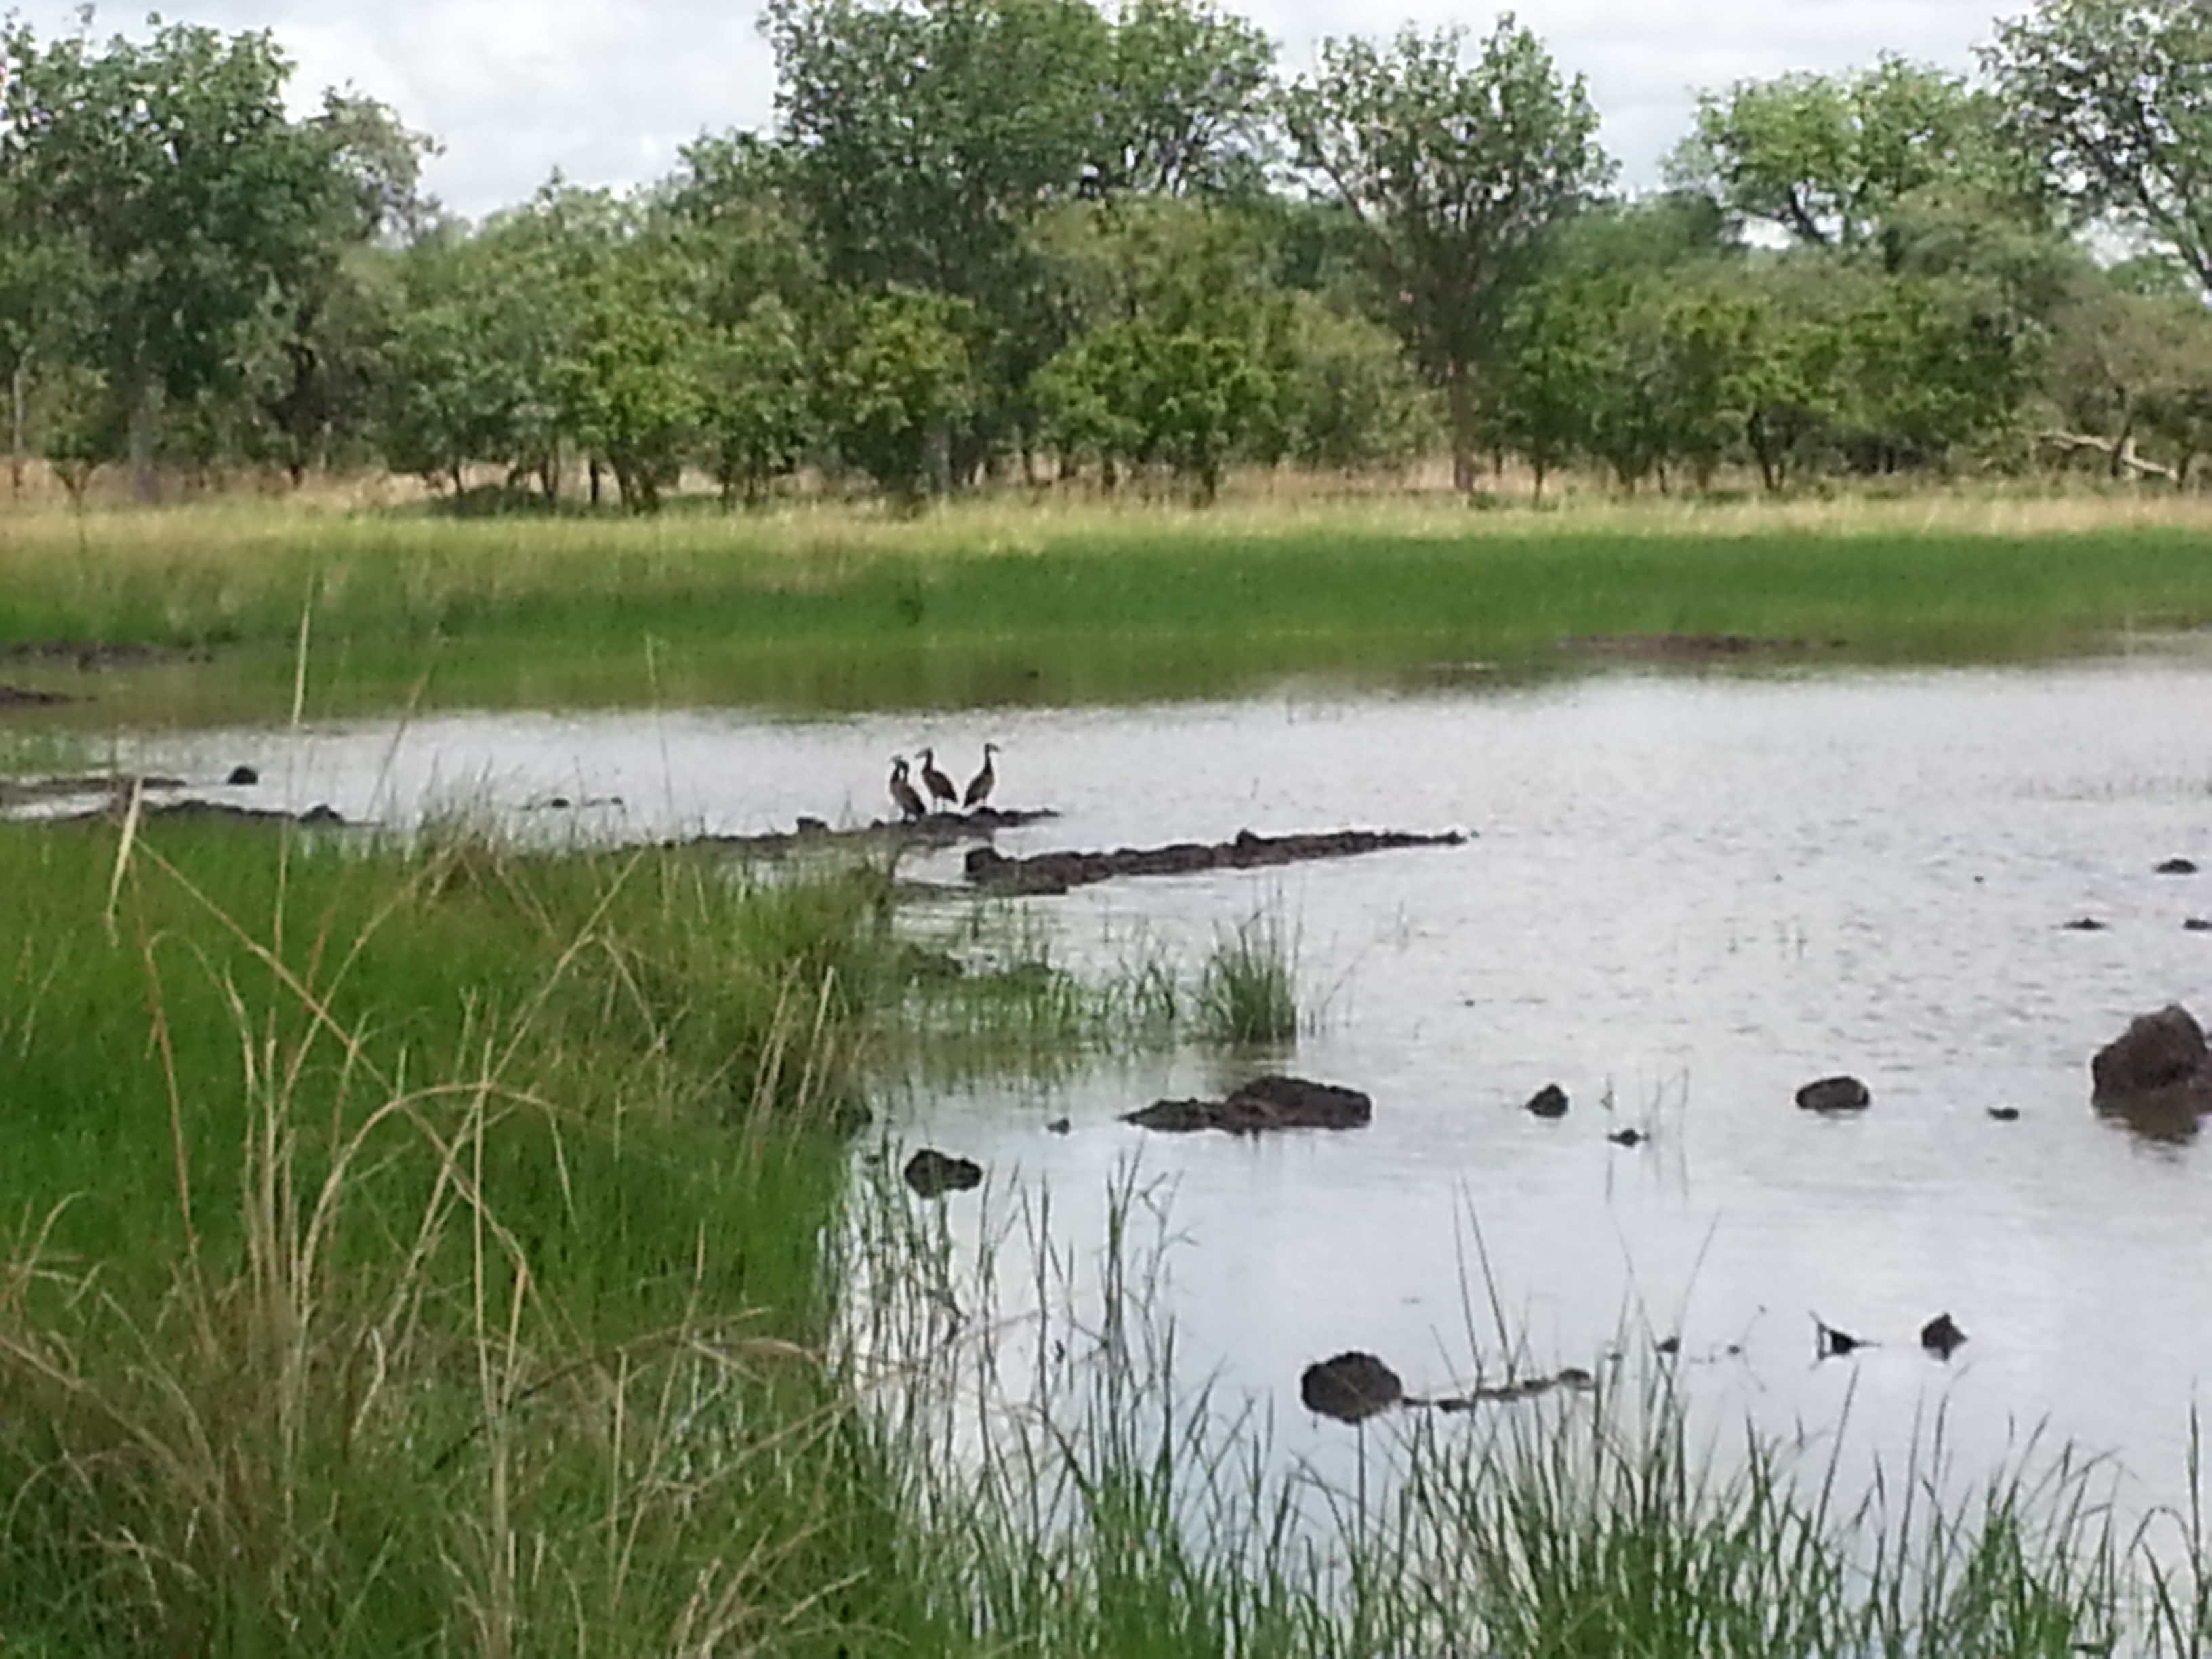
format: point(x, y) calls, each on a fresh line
point(195, 202)
point(2113, 100)
point(1828, 158)
point(1456, 173)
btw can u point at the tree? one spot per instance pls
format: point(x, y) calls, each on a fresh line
point(1456, 174)
point(1187, 108)
point(2113, 100)
point(194, 200)
point(897, 379)
point(1351, 400)
point(334, 318)
point(1550, 385)
point(1829, 158)
point(756, 416)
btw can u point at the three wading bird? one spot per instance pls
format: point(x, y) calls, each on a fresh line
point(909, 800)
point(980, 786)
point(940, 787)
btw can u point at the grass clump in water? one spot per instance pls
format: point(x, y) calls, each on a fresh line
point(1247, 993)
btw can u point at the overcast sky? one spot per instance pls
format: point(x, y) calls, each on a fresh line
point(605, 92)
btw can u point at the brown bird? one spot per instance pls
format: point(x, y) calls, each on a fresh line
point(980, 786)
point(940, 787)
point(909, 801)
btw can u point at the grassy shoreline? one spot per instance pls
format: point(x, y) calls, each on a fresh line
point(994, 603)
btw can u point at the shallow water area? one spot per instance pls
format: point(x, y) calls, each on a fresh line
point(1686, 894)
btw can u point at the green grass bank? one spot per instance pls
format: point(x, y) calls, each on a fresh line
point(992, 603)
point(419, 1251)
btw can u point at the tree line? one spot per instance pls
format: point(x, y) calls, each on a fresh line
point(1050, 238)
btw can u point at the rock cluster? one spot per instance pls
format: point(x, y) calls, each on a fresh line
point(1263, 1104)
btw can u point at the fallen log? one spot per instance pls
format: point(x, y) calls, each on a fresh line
point(1056, 872)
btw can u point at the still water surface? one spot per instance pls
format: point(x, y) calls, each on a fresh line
point(1687, 895)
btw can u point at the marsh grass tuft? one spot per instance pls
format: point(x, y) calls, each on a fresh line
point(1247, 993)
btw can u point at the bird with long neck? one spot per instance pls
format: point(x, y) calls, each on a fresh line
point(940, 787)
point(909, 800)
point(980, 786)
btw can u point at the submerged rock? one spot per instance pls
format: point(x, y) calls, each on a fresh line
point(1940, 1337)
point(2178, 867)
point(1843, 1093)
point(2157, 1073)
point(1550, 1101)
point(933, 1174)
point(1263, 1104)
point(1829, 1343)
point(1351, 1388)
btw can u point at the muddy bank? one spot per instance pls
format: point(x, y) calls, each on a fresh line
point(22, 696)
point(109, 797)
point(16, 793)
point(1689, 647)
point(1056, 872)
point(932, 830)
point(89, 655)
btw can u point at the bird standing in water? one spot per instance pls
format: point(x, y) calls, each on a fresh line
point(940, 787)
point(909, 801)
point(980, 786)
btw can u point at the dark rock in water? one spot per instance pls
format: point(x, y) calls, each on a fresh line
point(2178, 867)
point(1667, 1344)
point(2157, 1051)
point(2197, 924)
point(1550, 1101)
point(1059, 1125)
point(1835, 1094)
point(806, 824)
point(1056, 872)
point(2005, 1114)
point(2157, 1074)
point(1628, 1137)
point(1263, 1104)
point(1351, 1388)
point(242, 776)
point(2083, 925)
point(933, 1174)
point(1829, 1343)
point(1940, 1337)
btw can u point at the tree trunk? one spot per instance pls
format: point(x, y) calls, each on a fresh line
point(1461, 396)
point(937, 452)
point(595, 481)
point(144, 486)
point(15, 401)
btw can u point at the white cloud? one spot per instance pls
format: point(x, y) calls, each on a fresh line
point(607, 92)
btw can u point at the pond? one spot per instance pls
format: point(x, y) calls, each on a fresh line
point(1685, 894)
